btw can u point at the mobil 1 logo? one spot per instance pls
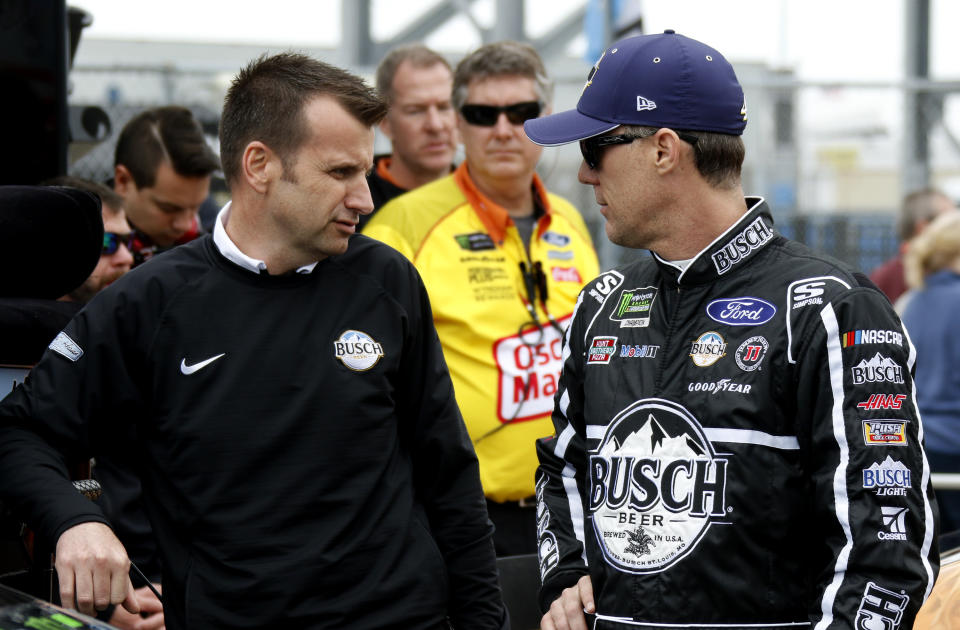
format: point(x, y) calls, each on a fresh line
point(656, 485)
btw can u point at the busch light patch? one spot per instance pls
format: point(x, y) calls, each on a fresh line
point(879, 369)
point(556, 239)
point(707, 349)
point(885, 432)
point(741, 246)
point(887, 478)
point(475, 242)
point(634, 307)
point(357, 350)
point(656, 486)
point(742, 311)
point(750, 354)
point(881, 608)
point(601, 350)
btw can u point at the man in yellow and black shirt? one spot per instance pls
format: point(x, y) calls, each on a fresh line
point(503, 261)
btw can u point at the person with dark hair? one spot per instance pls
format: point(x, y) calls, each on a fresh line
point(737, 442)
point(416, 83)
point(162, 169)
point(303, 459)
point(115, 259)
point(503, 261)
point(919, 208)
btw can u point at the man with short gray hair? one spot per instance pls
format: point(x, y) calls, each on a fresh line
point(502, 260)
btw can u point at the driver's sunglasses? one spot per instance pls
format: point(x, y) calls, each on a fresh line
point(112, 242)
point(592, 148)
point(487, 115)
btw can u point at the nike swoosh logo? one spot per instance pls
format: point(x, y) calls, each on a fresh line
point(190, 369)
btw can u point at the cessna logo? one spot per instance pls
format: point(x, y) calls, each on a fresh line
point(893, 520)
point(740, 246)
point(656, 486)
point(880, 608)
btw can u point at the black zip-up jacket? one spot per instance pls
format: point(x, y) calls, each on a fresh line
point(738, 445)
point(303, 460)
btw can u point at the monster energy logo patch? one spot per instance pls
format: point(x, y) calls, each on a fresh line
point(634, 307)
point(475, 242)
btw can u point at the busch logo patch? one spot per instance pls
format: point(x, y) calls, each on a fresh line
point(885, 432)
point(547, 550)
point(742, 311)
point(879, 369)
point(882, 401)
point(751, 352)
point(857, 337)
point(601, 350)
point(708, 349)
point(880, 609)
point(529, 368)
point(656, 486)
point(634, 307)
point(888, 478)
point(357, 350)
point(742, 245)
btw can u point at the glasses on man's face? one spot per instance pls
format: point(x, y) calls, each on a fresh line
point(487, 115)
point(112, 242)
point(592, 148)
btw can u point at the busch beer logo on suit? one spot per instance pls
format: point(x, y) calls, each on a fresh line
point(740, 246)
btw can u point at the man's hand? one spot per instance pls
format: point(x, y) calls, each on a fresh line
point(151, 612)
point(566, 611)
point(93, 569)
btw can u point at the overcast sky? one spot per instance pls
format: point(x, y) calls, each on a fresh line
point(820, 39)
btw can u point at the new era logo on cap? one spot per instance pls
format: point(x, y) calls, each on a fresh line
point(664, 80)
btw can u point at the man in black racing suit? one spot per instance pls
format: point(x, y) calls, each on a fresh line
point(737, 439)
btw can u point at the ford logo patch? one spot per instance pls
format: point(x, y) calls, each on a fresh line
point(741, 311)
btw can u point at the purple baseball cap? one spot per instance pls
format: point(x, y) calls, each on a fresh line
point(664, 80)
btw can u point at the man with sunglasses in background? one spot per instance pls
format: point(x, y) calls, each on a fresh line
point(115, 259)
point(162, 169)
point(737, 442)
point(421, 124)
point(503, 261)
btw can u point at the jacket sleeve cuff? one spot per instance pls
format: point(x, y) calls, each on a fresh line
point(551, 589)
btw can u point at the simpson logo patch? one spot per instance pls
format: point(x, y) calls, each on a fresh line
point(885, 432)
point(601, 350)
point(857, 337)
point(881, 608)
point(656, 485)
point(708, 349)
point(741, 246)
point(475, 242)
point(528, 370)
point(634, 307)
point(604, 285)
point(357, 350)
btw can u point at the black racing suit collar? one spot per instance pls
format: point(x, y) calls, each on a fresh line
point(729, 251)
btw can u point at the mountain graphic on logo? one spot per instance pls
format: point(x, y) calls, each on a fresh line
point(888, 464)
point(877, 361)
point(652, 439)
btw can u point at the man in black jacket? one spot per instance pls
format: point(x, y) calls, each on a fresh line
point(302, 456)
point(737, 440)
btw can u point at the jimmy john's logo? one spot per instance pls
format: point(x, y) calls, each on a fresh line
point(656, 486)
point(707, 349)
point(357, 350)
point(885, 432)
point(881, 608)
point(879, 369)
point(634, 307)
point(750, 354)
point(742, 245)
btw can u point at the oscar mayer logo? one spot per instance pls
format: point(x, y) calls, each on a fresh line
point(528, 367)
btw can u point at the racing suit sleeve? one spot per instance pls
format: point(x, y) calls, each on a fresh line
point(446, 472)
point(561, 476)
point(862, 446)
point(48, 420)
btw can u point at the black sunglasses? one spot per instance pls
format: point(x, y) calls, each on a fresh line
point(592, 148)
point(487, 115)
point(112, 242)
